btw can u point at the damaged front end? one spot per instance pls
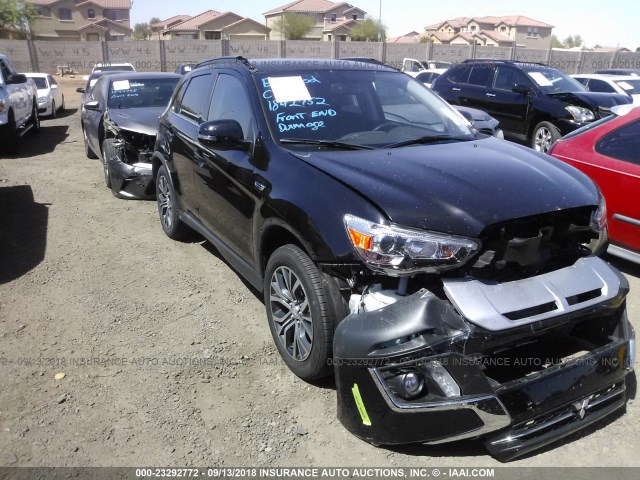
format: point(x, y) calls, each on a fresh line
point(130, 169)
point(527, 344)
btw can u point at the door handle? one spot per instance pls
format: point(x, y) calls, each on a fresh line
point(491, 94)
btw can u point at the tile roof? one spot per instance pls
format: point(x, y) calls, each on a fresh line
point(194, 23)
point(113, 4)
point(342, 23)
point(170, 21)
point(308, 6)
point(262, 25)
point(510, 20)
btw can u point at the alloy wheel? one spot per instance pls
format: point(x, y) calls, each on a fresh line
point(291, 313)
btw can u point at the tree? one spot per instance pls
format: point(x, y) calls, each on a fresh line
point(369, 31)
point(555, 43)
point(141, 31)
point(16, 15)
point(294, 26)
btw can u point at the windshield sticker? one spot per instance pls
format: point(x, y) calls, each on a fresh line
point(540, 79)
point(625, 85)
point(121, 85)
point(289, 89)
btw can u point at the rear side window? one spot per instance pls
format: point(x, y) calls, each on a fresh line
point(596, 85)
point(459, 74)
point(481, 75)
point(622, 144)
point(193, 100)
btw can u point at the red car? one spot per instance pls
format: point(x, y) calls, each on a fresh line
point(608, 151)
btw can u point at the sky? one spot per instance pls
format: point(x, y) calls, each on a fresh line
point(615, 27)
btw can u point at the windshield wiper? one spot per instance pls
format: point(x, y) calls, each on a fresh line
point(427, 139)
point(325, 143)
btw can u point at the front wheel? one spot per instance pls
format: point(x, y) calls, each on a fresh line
point(108, 152)
point(544, 135)
point(301, 316)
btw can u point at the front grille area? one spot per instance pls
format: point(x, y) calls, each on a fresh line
point(529, 246)
point(560, 417)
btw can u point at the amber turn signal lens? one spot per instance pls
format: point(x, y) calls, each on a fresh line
point(360, 240)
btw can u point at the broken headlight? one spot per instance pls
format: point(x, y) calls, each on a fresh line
point(599, 227)
point(397, 250)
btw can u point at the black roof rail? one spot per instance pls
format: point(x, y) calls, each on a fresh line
point(239, 60)
point(499, 60)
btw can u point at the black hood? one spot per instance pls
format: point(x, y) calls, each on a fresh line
point(593, 99)
point(458, 188)
point(141, 120)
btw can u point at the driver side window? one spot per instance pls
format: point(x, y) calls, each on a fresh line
point(230, 102)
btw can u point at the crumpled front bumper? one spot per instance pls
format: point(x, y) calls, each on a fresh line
point(131, 181)
point(515, 408)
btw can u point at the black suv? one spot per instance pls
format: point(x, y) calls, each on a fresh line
point(533, 103)
point(447, 277)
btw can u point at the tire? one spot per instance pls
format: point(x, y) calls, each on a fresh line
point(54, 113)
point(108, 151)
point(300, 311)
point(544, 135)
point(9, 135)
point(87, 149)
point(34, 121)
point(168, 208)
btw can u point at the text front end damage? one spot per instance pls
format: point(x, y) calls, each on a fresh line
point(519, 363)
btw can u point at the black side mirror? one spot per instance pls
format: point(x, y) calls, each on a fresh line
point(521, 88)
point(223, 135)
point(94, 105)
point(16, 79)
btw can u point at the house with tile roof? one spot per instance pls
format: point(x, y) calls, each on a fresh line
point(492, 31)
point(332, 20)
point(213, 25)
point(81, 20)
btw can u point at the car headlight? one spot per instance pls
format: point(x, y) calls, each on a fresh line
point(599, 227)
point(397, 250)
point(580, 114)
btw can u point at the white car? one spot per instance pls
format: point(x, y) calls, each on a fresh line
point(50, 97)
point(625, 84)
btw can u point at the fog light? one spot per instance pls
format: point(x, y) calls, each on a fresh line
point(412, 385)
point(444, 380)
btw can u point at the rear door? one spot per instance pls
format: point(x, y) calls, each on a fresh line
point(508, 107)
point(474, 92)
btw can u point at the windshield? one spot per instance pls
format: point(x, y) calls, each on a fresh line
point(41, 83)
point(552, 81)
point(630, 87)
point(366, 107)
point(141, 92)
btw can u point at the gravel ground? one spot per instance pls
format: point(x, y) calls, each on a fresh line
point(166, 353)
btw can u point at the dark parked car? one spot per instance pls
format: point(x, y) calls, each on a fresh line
point(448, 278)
point(533, 103)
point(608, 151)
point(119, 122)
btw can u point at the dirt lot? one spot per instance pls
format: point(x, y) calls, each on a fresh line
point(167, 355)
